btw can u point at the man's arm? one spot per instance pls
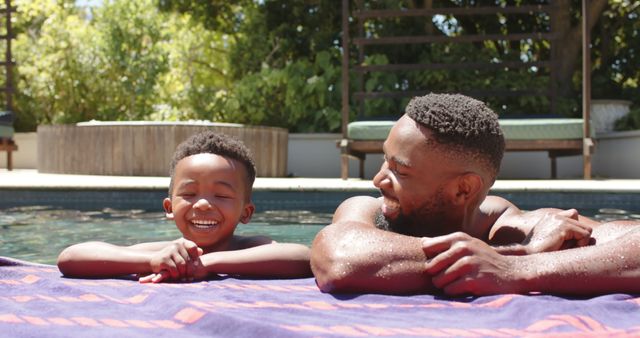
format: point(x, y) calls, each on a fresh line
point(517, 232)
point(352, 255)
point(464, 265)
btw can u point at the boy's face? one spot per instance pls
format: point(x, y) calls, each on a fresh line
point(208, 200)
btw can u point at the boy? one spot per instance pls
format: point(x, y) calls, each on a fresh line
point(209, 194)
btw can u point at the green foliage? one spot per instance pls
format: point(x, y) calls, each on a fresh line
point(152, 65)
point(132, 58)
point(53, 72)
point(286, 96)
point(616, 40)
point(631, 121)
point(217, 15)
point(278, 62)
point(196, 82)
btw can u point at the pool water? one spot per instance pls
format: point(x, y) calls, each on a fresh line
point(38, 234)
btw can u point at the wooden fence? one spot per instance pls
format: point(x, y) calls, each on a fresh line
point(146, 148)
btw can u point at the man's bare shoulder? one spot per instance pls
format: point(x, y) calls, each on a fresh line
point(494, 213)
point(361, 209)
point(496, 205)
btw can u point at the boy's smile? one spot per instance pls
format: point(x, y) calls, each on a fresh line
point(209, 199)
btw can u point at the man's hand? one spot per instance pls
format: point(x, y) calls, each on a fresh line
point(177, 261)
point(557, 231)
point(462, 264)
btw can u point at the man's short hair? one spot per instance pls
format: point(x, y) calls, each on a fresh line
point(462, 125)
point(209, 142)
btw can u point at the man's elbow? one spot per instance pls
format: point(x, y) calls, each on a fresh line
point(330, 277)
point(327, 266)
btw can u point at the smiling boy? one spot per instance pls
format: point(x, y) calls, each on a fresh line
point(209, 194)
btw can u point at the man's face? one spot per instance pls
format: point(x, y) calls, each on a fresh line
point(417, 183)
point(209, 198)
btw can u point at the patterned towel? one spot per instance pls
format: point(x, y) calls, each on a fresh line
point(36, 301)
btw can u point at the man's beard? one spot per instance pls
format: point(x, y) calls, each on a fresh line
point(429, 220)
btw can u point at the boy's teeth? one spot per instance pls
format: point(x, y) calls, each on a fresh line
point(204, 223)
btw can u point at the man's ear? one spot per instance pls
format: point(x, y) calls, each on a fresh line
point(247, 212)
point(168, 210)
point(469, 185)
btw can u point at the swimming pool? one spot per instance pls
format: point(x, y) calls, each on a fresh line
point(38, 234)
point(36, 224)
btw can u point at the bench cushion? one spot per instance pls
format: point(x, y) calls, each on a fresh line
point(6, 131)
point(513, 129)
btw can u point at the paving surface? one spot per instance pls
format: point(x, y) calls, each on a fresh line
point(32, 179)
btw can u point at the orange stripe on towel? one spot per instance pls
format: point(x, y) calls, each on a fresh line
point(189, 315)
point(86, 321)
point(10, 318)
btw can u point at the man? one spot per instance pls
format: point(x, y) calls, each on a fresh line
point(434, 224)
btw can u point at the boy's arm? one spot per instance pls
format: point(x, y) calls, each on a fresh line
point(352, 255)
point(98, 259)
point(275, 260)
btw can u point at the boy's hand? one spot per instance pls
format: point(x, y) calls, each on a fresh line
point(155, 277)
point(195, 269)
point(176, 260)
point(557, 231)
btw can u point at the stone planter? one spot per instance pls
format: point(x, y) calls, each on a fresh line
point(618, 155)
point(604, 113)
point(143, 148)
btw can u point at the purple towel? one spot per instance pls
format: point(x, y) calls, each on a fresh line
point(36, 301)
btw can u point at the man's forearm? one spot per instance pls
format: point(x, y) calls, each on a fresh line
point(352, 258)
point(609, 267)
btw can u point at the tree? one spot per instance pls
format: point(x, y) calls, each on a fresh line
point(76, 66)
point(278, 62)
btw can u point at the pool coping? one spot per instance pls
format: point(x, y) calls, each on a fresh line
point(28, 188)
point(29, 179)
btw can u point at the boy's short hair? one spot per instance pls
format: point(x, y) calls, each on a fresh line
point(209, 142)
point(465, 126)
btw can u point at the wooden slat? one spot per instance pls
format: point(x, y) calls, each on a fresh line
point(472, 93)
point(439, 66)
point(381, 13)
point(366, 146)
point(397, 40)
point(12, 9)
point(538, 145)
point(8, 145)
point(375, 146)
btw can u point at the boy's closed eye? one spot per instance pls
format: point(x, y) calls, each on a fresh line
point(186, 193)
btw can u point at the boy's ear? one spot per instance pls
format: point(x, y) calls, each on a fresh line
point(166, 204)
point(468, 186)
point(248, 211)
